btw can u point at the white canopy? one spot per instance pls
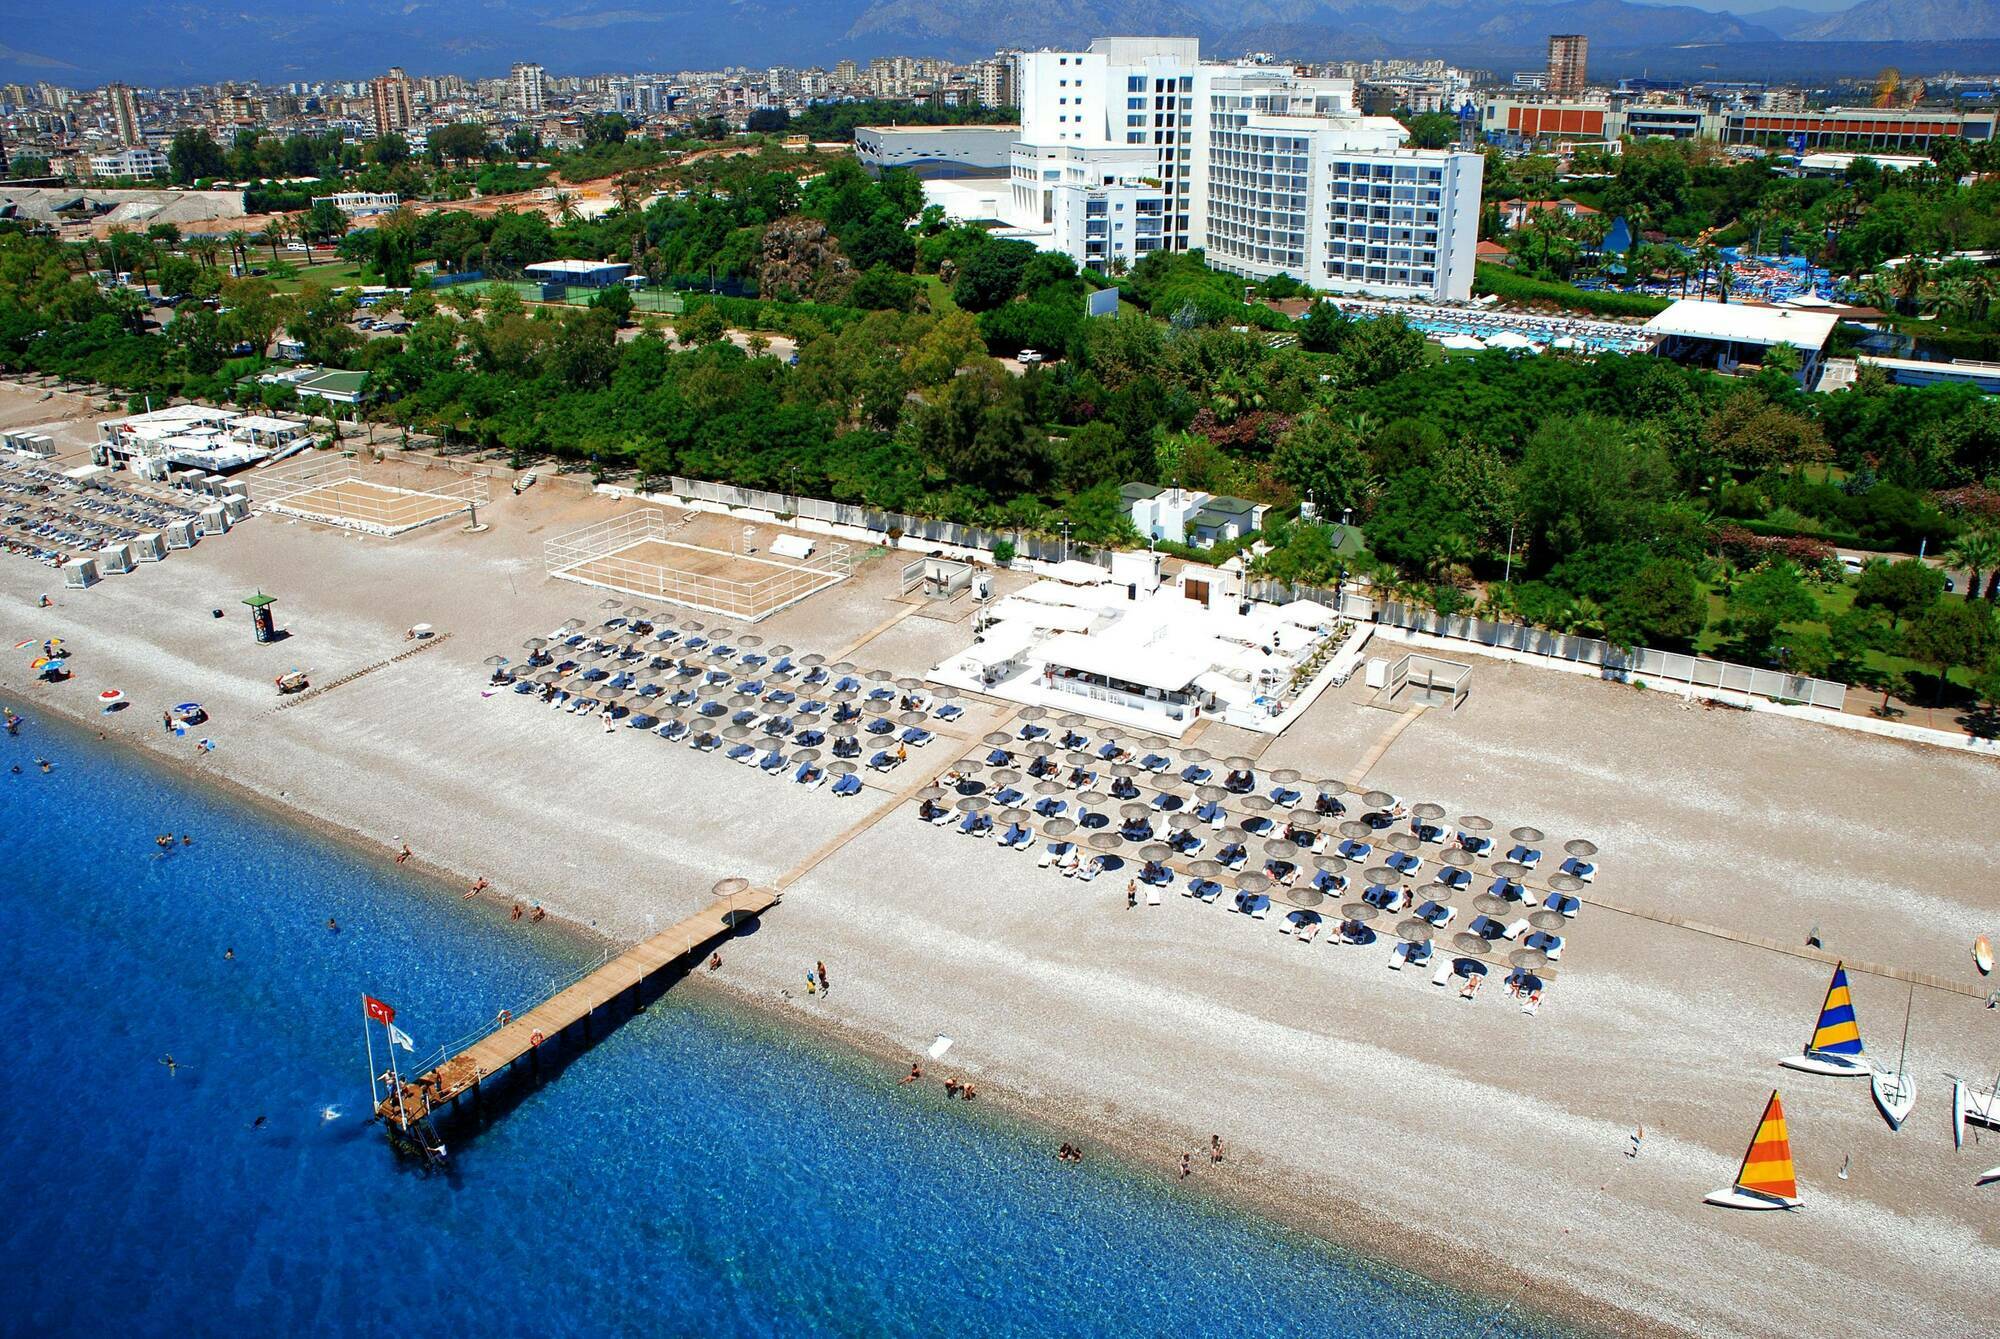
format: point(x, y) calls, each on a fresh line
point(1148, 666)
point(1077, 572)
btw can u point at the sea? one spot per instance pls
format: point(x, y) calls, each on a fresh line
point(694, 1172)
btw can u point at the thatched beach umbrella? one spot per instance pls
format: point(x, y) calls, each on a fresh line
point(1107, 840)
point(1070, 721)
point(1360, 911)
point(1565, 883)
point(1427, 812)
point(1307, 897)
point(1134, 811)
point(1256, 804)
point(1406, 842)
point(1050, 788)
point(1382, 876)
point(1092, 799)
point(1525, 834)
point(1234, 836)
point(1415, 931)
point(997, 738)
point(1330, 864)
point(751, 640)
point(1580, 848)
point(1510, 869)
point(1464, 942)
point(841, 667)
point(929, 793)
point(1252, 883)
point(1195, 754)
point(1378, 799)
point(610, 604)
point(1033, 713)
point(909, 684)
point(1058, 827)
point(730, 886)
point(806, 755)
point(1279, 848)
point(971, 804)
point(841, 767)
point(572, 625)
point(1210, 793)
point(1356, 831)
point(735, 733)
point(878, 676)
point(910, 718)
point(1015, 816)
point(548, 677)
point(1458, 858)
point(1124, 770)
point(1286, 775)
point(844, 730)
point(812, 660)
point(1491, 905)
point(1529, 958)
point(1546, 920)
point(779, 650)
point(1156, 852)
point(1206, 869)
point(534, 643)
point(1005, 776)
point(1182, 822)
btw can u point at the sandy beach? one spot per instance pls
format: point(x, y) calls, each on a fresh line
point(1463, 1138)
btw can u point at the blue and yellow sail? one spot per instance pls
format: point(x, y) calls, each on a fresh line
point(1838, 1031)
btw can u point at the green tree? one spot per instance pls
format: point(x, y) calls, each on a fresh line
point(616, 302)
point(1378, 351)
point(1432, 130)
point(1978, 552)
point(1320, 455)
point(1663, 605)
point(28, 165)
point(1903, 589)
point(192, 155)
point(991, 275)
point(390, 150)
point(1773, 595)
point(701, 323)
point(1322, 328)
point(460, 143)
point(1949, 634)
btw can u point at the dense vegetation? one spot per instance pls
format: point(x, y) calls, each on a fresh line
point(1625, 498)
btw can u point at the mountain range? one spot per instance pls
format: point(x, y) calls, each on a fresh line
point(84, 42)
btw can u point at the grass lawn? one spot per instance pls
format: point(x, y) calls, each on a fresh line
point(939, 293)
point(1833, 602)
point(333, 273)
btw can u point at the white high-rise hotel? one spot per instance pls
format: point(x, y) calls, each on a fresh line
point(1136, 145)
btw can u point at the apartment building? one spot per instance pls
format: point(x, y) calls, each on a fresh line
point(1569, 65)
point(1136, 145)
point(389, 95)
point(528, 88)
point(124, 106)
point(1904, 129)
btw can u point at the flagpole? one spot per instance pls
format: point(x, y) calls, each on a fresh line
point(374, 1084)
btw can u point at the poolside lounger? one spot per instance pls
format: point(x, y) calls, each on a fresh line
point(1515, 929)
point(916, 736)
point(882, 761)
point(1283, 795)
point(1454, 878)
point(1429, 832)
point(1008, 797)
point(1153, 895)
point(1442, 976)
point(771, 762)
point(1525, 856)
point(1437, 914)
point(1154, 762)
point(742, 753)
point(1580, 867)
point(949, 713)
point(1563, 903)
point(1355, 850)
point(849, 784)
point(1194, 774)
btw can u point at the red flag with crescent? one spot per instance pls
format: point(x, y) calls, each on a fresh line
point(377, 1010)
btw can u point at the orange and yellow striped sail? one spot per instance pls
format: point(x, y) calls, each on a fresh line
point(1767, 1166)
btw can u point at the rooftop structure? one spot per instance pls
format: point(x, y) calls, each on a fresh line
point(1725, 334)
point(1122, 646)
point(193, 437)
point(582, 273)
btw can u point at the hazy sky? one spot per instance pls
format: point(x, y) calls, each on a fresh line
point(1750, 7)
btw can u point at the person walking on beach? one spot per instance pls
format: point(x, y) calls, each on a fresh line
point(167, 721)
point(1187, 1168)
point(1638, 1138)
point(1131, 894)
point(812, 984)
point(1214, 1149)
point(822, 978)
point(403, 856)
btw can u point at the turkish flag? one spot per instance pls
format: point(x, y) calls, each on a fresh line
point(377, 1010)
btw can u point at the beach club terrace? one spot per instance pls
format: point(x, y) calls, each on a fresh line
point(193, 437)
point(1126, 647)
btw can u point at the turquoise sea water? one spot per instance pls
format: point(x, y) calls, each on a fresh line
point(692, 1173)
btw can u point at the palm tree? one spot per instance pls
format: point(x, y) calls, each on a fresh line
point(274, 233)
point(1708, 258)
point(1908, 281)
point(1725, 279)
point(238, 242)
point(1977, 551)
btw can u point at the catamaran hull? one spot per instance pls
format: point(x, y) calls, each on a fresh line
point(1732, 1198)
point(1833, 1066)
point(1958, 1113)
point(1988, 1177)
point(1895, 1095)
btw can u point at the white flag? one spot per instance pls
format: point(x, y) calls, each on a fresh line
point(401, 1038)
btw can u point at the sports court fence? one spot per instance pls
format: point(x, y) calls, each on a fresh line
point(647, 553)
point(1619, 662)
point(338, 490)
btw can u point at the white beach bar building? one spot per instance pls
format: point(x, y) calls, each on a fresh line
point(1136, 145)
point(1125, 646)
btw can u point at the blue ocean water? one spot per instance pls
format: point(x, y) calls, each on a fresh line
point(693, 1173)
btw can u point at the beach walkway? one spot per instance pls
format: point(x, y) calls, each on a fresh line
point(1381, 746)
point(513, 1037)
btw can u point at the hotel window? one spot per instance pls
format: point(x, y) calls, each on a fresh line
point(1135, 83)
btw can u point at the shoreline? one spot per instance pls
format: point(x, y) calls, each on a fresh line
point(1140, 1147)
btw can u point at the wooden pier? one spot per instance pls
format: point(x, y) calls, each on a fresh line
point(513, 1036)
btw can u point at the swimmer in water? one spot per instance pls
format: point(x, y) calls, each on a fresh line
point(258, 1124)
point(229, 955)
point(333, 925)
point(329, 1113)
point(44, 764)
point(186, 840)
point(169, 1062)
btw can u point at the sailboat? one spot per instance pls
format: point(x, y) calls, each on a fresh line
point(1835, 1045)
point(1971, 1106)
point(1767, 1179)
point(1896, 1093)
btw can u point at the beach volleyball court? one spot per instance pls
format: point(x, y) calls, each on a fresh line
point(703, 562)
point(375, 500)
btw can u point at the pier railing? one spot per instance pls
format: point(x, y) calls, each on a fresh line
point(459, 1045)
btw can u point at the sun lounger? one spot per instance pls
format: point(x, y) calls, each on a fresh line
point(1284, 795)
point(1429, 832)
point(1563, 903)
point(916, 736)
point(1032, 731)
point(1581, 868)
point(1547, 943)
point(1090, 868)
point(1437, 913)
point(950, 712)
point(1008, 797)
point(880, 726)
point(742, 753)
point(1205, 889)
point(771, 762)
point(1194, 774)
point(1050, 854)
point(1153, 896)
point(849, 784)
point(810, 775)
point(969, 826)
point(1442, 976)
point(1526, 856)
point(1050, 807)
point(1454, 878)
point(1156, 762)
point(1355, 850)
point(1403, 862)
point(882, 761)
point(999, 758)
